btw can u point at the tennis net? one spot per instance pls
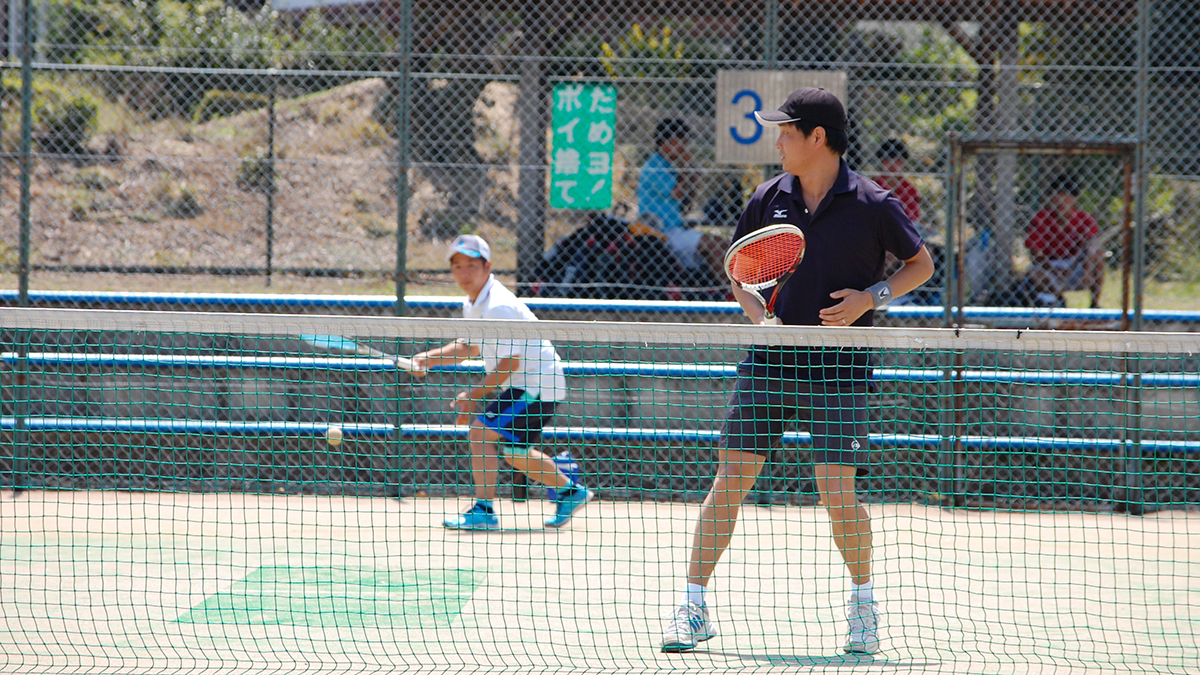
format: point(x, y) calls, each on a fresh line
point(191, 492)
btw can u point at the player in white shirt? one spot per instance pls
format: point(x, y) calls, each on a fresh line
point(530, 375)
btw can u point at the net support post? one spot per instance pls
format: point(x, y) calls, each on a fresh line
point(392, 464)
point(20, 434)
point(946, 419)
point(1131, 499)
point(958, 407)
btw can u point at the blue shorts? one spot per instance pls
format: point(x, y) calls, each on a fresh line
point(763, 406)
point(518, 417)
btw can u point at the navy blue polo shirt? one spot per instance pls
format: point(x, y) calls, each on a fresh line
point(848, 236)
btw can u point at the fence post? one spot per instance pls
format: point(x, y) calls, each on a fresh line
point(1143, 93)
point(21, 394)
point(270, 170)
point(951, 280)
point(771, 61)
point(26, 155)
point(531, 153)
point(402, 140)
point(1134, 502)
point(763, 496)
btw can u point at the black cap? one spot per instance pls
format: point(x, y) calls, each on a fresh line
point(892, 148)
point(1064, 183)
point(670, 128)
point(812, 105)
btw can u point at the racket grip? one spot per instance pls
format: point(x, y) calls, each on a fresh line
point(770, 320)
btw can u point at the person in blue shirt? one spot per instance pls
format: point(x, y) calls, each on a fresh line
point(664, 194)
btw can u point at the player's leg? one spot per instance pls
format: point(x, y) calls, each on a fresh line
point(536, 464)
point(718, 514)
point(849, 521)
point(518, 421)
point(690, 624)
point(485, 467)
point(485, 460)
point(840, 454)
point(851, 526)
point(570, 495)
point(753, 426)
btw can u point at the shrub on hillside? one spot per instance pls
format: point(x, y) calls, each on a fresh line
point(255, 172)
point(63, 119)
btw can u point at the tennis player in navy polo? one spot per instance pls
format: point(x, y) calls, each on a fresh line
point(850, 224)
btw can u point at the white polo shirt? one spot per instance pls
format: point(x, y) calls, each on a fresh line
point(540, 371)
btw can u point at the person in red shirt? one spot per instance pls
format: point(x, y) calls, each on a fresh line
point(892, 154)
point(1061, 241)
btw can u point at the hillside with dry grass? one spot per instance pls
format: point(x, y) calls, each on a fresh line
point(183, 195)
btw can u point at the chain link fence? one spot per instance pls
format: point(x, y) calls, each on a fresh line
point(335, 146)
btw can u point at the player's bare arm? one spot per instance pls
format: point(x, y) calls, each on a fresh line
point(854, 303)
point(446, 355)
point(750, 305)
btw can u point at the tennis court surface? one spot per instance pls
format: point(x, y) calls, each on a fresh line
point(169, 503)
point(152, 582)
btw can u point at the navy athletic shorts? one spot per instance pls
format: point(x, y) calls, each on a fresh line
point(764, 403)
point(518, 417)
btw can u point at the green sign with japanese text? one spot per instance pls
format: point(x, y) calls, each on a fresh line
point(584, 123)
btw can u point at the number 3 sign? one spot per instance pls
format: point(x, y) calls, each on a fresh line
point(740, 138)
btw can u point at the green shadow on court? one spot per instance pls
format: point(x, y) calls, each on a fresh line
point(340, 598)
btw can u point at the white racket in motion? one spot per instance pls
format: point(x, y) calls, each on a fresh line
point(763, 259)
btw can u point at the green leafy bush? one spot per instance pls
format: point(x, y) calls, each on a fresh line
point(63, 119)
point(209, 34)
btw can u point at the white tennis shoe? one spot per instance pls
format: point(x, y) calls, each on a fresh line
point(864, 628)
point(689, 627)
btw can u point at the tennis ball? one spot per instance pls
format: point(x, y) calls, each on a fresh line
point(333, 435)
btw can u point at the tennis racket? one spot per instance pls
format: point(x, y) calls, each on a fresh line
point(335, 343)
point(763, 259)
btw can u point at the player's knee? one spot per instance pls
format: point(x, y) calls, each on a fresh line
point(509, 450)
point(478, 432)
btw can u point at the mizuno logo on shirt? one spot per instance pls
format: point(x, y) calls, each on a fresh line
point(780, 213)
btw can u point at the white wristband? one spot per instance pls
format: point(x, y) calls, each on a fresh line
point(881, 294)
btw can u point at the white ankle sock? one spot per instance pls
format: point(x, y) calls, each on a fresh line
point(864, 592)
point(694, 593)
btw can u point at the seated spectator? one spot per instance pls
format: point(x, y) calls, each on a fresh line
point(892, 155)
point(662, 194)
point(1062, 243)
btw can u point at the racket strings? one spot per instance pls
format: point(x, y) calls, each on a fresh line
point(765, 260)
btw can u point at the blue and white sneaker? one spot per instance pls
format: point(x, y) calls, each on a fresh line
point(689, 627)
point(568, 502)
point(476, 518)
